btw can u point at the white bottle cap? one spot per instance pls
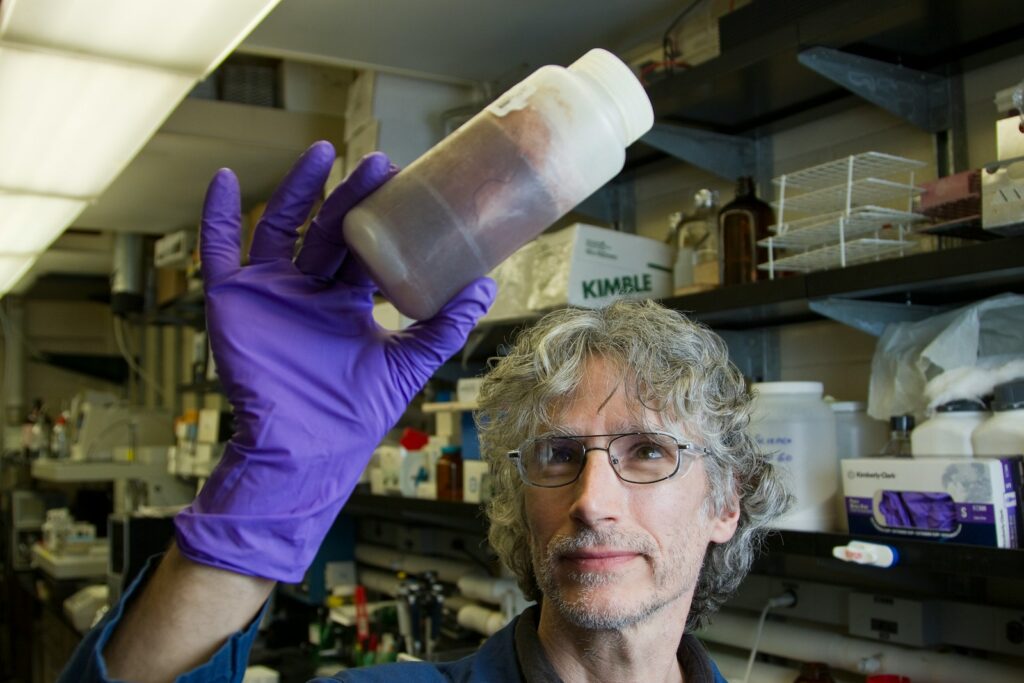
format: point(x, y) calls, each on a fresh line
point(623, 89)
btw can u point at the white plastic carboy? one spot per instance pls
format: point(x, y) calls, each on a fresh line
point(1003, 432)
point(796, 429)
point(498, 181)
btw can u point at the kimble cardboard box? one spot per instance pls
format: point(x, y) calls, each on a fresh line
point(582, 265)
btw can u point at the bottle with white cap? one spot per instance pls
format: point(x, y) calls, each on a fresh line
point(1003, 433)
point(498, 181)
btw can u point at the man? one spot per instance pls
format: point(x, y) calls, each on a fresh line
point(617, 438)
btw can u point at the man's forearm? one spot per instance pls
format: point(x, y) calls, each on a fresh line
point(184, 614)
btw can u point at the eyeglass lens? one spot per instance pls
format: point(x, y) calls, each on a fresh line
point(638, 458)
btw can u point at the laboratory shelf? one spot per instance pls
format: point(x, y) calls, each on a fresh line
point(440, 513)
point(67, 471)
point(757, 81)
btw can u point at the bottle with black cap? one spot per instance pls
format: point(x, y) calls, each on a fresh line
point(1003, 433)
point(898, 445)
point(947, 434)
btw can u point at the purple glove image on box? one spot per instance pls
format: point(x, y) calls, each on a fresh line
point(315, 383)
point(918, 510)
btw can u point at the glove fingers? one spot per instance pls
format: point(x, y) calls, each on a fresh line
point(324, 250)
point(426, 345)
point(221, 234)
point(289, 206)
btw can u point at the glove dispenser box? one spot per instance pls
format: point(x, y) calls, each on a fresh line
point(959, 500)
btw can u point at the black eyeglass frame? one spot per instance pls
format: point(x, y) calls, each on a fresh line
point(516, 455)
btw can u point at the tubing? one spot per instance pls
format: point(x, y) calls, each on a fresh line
point(854, 654)
point(732, 668)
point(447, 570)
point(382, 582)
point(480, 619)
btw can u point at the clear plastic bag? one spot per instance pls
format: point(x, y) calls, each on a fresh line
point(985, 334)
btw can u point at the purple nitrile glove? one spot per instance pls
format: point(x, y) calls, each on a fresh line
point(315, 383)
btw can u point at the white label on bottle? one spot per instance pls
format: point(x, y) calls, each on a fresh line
point(515, 99)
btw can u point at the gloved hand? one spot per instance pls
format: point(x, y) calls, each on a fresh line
point(315, 383)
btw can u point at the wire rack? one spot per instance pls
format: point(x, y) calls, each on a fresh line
point(815, 231)
point(840, 255)
point(866, 191)
point(847, 169)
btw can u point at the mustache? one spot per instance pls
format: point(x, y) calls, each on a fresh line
point(566, 544)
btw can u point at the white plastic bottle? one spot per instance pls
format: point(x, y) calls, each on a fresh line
point(858, 435)
point(1003, 433)
point(498, 181)
point(947, 433)
point(795, 427)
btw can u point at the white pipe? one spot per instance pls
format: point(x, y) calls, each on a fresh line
point(382, 582)
point(480, 619)
point(487, 589)
point(733, 667)
point(447, 570)
point(808, 644)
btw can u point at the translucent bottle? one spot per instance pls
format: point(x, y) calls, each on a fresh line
point(796, 429)
point(498, 181)
point(898, 446)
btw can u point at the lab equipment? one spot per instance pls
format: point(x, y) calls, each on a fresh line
point(797, 430)
point(1003, 432)
point(321, 384)
point(948, 432)
point(498, 181)
point(449, 474)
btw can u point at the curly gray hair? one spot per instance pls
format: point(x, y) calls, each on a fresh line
point(681, 371)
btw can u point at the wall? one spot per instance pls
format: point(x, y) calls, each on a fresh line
point(64, 327)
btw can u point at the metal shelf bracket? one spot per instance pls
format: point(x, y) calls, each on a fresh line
point(871, 317)
point(921, 98)
point(727, 156)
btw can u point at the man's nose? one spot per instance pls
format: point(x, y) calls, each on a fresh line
point(599, 494)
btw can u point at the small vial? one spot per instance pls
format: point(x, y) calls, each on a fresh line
point(498, 181)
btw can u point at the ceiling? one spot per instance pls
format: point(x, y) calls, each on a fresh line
point(459, 41)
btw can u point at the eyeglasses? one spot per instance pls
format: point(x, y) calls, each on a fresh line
point(637, 458)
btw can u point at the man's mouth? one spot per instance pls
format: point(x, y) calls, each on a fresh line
point(598, 559)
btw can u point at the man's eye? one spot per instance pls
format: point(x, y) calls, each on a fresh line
point(561, 455)
point(647, 452)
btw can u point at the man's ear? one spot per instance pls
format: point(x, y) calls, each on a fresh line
point(724, 525)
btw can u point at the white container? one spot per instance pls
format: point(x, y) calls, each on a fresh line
point(858, 435)
point(1003, 433)
point(947, 434)
point(498, 181)
point(797, 430)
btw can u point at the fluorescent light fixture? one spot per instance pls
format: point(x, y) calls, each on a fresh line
point(30, 223)
point(12, 268)
point(68, 126)
point(191, 36)
point(84, 84)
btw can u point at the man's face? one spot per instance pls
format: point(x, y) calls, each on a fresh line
point(608, 554)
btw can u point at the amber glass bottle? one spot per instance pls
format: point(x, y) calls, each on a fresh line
point(449, 474)
point(741, 223)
